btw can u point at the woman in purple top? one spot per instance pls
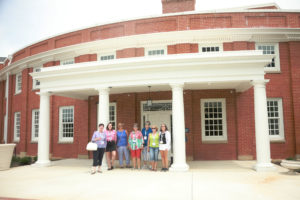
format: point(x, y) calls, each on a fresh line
point(99, 137)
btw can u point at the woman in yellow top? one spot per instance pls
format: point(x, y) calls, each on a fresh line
point(153, 147)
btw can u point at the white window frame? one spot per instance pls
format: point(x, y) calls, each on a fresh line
point(110, 104)
point(33, 124)
point(201, 45)
point(212, 139)
point(61, 138)
point(36, 83)
point(17, 127)
point(280, 137)
point(155, 49)
point(106, 54)
point(18, 83)
point(277, 56)
point(68, 61)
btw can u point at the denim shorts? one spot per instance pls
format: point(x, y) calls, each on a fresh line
point(154, 153)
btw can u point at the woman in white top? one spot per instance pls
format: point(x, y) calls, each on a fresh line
point(164, 145)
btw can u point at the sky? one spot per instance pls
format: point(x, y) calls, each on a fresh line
point(23, 22)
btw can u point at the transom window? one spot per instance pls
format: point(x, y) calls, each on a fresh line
point(213, 119)
point(36, 83)
point(35, 125)
point(210, 48)
point(270, 49)
point(275, 119)
point(17, 126)
point(155, 51)
point(107, 57)
point(157, 107)
point(18, 83)
point(66, 124)
point(67, 61)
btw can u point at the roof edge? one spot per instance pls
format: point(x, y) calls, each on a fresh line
point(231, 10)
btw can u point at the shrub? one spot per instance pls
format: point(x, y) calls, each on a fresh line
point(290, 158)
point(15, 159)
point(25, 160)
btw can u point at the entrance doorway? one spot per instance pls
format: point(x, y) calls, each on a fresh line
point(160, 112)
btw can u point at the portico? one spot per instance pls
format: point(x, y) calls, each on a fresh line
point(221, 70)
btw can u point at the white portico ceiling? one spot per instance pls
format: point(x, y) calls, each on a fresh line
point(220, 70)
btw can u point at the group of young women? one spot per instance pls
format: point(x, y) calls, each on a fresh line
point(148, 143)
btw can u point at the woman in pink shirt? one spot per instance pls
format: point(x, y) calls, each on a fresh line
point(111, 138)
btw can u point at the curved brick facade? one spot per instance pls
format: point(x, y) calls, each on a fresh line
point(239, 105)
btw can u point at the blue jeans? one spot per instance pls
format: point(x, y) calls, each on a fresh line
point(154, 153)
point(123, 150)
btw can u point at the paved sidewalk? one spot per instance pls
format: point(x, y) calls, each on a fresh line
point(70, 179)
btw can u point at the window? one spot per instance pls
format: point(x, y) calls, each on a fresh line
point(273, 50)
point(156, 51)
point(36, 83)
point(17, 126)
point(67, 61)
point(107, 57)
point(66, 124)
point(275, 119)
point(210, 48)
point(213, 120)
point(35, 125)
point(113, 114)
point(18, 83)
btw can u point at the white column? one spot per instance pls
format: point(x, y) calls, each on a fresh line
point(179, 162)
point(103, 115)
point(44, 130)
point(263, 154)
point(6, 106)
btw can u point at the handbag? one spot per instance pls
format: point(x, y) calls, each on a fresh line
point(91, 146)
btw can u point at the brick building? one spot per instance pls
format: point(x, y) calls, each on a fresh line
point(227, 83)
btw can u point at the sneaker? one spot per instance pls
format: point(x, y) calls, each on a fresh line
point(93, 172)
point(99, 171)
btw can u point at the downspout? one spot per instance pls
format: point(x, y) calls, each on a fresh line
point(6, 96)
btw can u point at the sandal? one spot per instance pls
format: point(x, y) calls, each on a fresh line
point(93, 172)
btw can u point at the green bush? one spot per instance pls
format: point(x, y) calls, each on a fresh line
point(25, 160)
point(15, 159)
point(290, 158)
point(35, 158)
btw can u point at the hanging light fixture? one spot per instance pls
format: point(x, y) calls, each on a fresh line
point(149, 101)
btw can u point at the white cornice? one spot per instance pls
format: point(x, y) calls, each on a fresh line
point(162, 39)
point(236, 66)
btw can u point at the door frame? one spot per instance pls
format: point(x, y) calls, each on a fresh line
point(144, 112)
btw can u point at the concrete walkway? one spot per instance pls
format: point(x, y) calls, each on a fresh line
point(70, 179)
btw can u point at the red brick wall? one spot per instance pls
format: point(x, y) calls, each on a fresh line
point(130, 52)
point(245, 124)
point(214, 151)
point(69, 150)
point(280, 87)
point(183, 48)
point(294, 48)
point(173, 6)
point(86, 58)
